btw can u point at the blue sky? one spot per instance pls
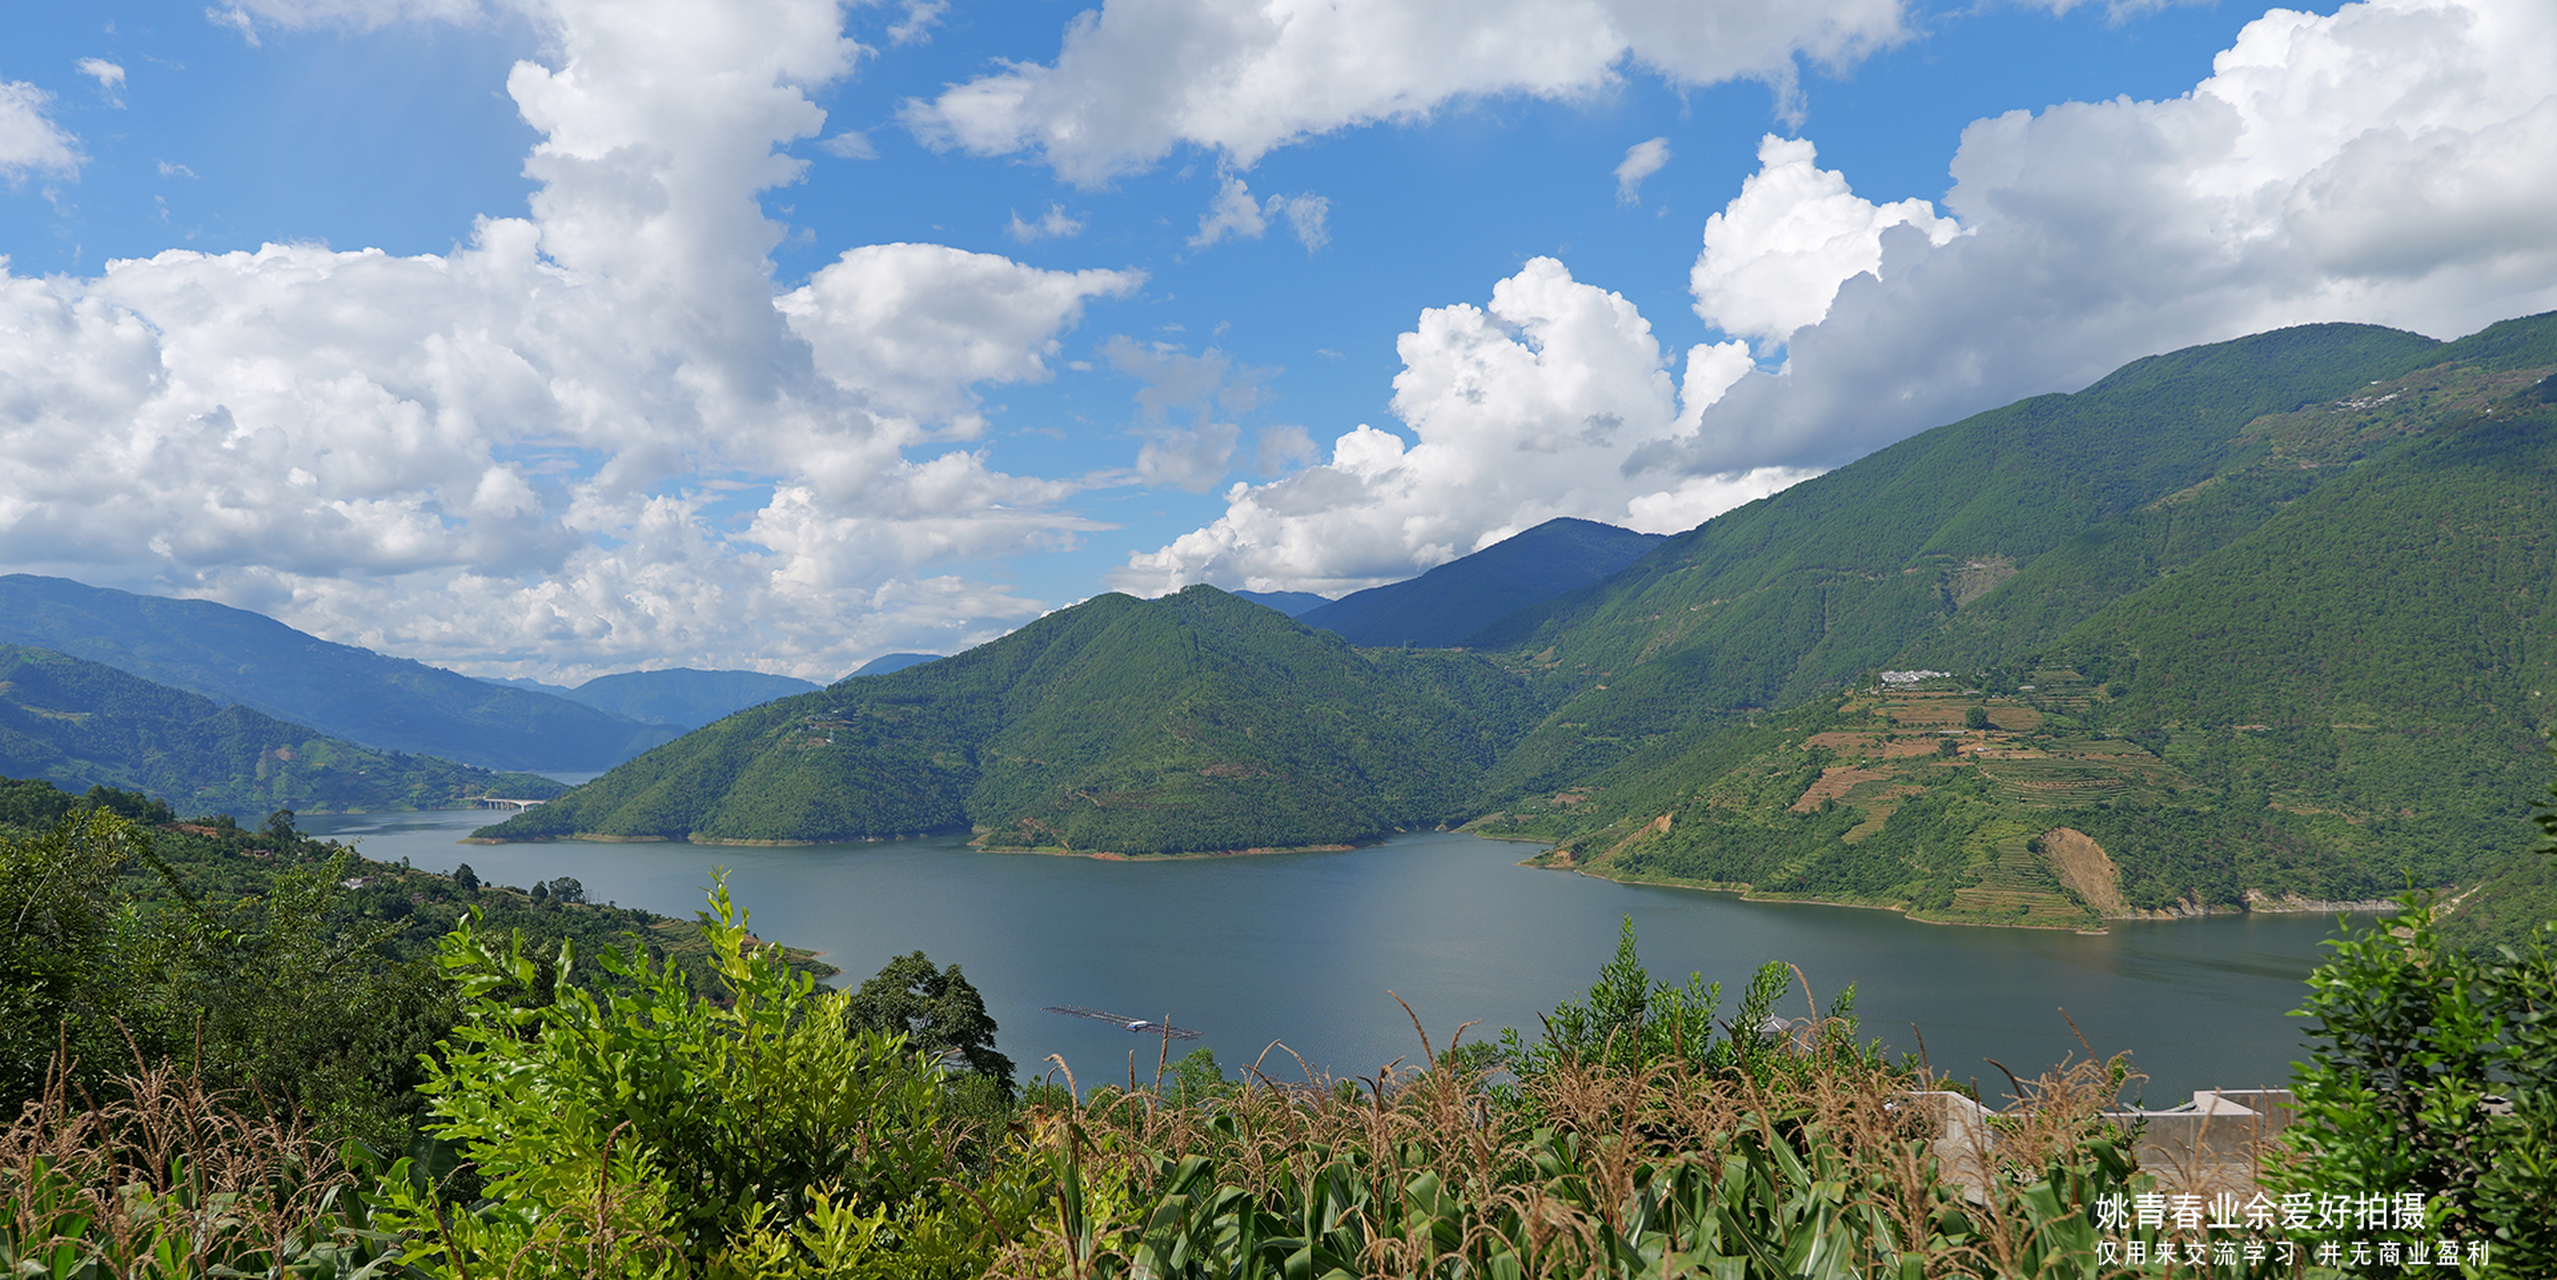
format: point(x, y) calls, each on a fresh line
point(782, 334)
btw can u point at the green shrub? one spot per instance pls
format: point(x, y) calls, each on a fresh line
point(647, 1130)
point(2436, 1075)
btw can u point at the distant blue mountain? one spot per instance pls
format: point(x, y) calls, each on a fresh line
point(887, 662)
point(1295, 604)
point(79, 724)
point(391, 704)
point(685, 697)
point(1442, 608)
point(519, 682)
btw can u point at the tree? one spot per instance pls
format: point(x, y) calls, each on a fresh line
point(57, 935)
point(465, 879)
point(1975, 718)
point(566, 889)
point(2418, 1040)
point(279, 828)
point(938, 1010)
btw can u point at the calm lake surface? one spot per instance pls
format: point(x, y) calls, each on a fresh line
point(1303, 948)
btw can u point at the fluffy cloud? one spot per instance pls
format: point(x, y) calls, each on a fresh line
point(30, 142)
point(2393, 163)
point(1642, 160)
point(912, 327)
point(592, 436)
point(1521, 412)
point(1775, 256)
point(1241, 77)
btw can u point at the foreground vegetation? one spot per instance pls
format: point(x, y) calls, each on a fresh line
point(613, 1111)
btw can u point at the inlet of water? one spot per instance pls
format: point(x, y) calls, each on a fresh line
point(1303, 949)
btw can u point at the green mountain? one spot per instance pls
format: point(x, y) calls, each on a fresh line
point(1791, 597)
point(683, 697)
point(887, 662)
point(1191, 723)
point(1447, 605)
point(393, 704)
point(80, 724)
point(2272, 616)
point(1294, 604)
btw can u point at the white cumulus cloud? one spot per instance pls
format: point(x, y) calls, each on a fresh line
point(30, 142)
point(913, 326)
point(587, 438)
point(2392, 163)
point(1774, 258)
point(1136, 78)
point(1520, 412)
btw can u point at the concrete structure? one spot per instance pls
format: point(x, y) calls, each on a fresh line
point(2217, 1142)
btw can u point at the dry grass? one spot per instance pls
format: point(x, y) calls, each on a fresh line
point(164, 1177)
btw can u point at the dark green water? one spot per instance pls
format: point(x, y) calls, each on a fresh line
point(1303, 948)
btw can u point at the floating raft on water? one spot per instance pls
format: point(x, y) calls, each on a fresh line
point(1141, 1026)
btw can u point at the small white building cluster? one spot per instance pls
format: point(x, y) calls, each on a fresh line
point(1912, 677)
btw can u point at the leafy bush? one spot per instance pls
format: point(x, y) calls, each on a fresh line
point(2436, 1075)
point(1631, 1022)
point(644, 1129)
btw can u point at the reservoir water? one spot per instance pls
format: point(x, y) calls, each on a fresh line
point(1303, 949)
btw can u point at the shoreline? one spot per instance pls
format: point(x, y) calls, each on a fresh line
point(1745, 893)
point(1098, 855)
point(1107, 855)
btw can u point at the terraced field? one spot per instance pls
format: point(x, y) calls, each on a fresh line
point(1995, 776)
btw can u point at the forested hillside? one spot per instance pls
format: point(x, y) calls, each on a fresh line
point(1194, 722)
point(1447, 605)
point(82, 724)
point(2319, 667)
point(1790, 597)
point(388, 704)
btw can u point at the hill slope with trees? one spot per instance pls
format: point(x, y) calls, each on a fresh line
point(2319, 668)
point(1191, 723)
point(1447, 605)
point(82, 724)
point(389, 704)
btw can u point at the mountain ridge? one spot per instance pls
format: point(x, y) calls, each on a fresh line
point(356, 694)
point(78, 724)
point(1446, 606)
point(2320, 669)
